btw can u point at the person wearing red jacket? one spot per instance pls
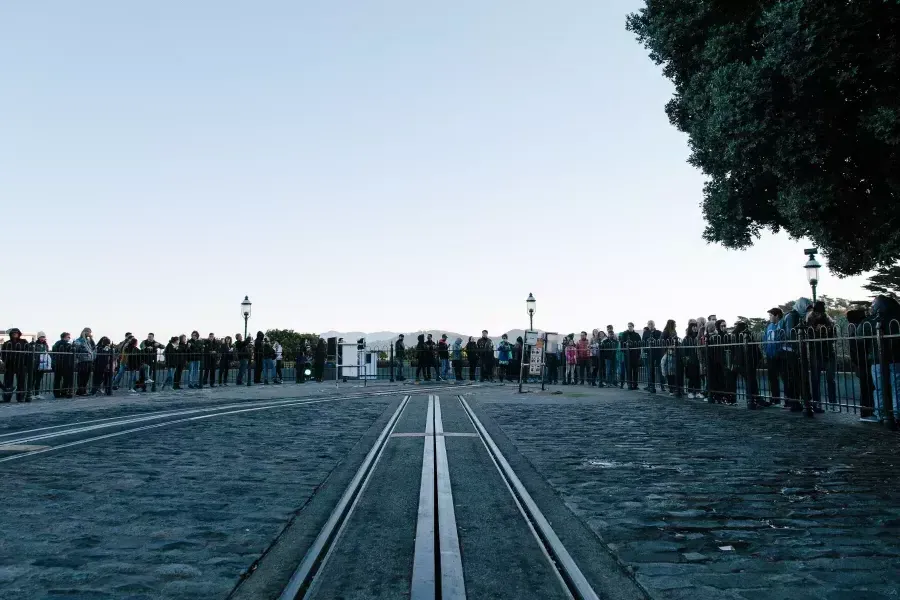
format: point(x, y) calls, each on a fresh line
point(583, 356)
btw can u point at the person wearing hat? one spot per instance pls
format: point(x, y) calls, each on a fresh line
point(39, 355)
point(14, 354)
point(443, 348)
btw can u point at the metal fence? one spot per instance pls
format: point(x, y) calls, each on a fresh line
point(850, 369)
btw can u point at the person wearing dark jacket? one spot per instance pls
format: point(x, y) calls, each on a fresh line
point(886, 364)
point(136, 362)
point(14, 354)
point(794, 371)
point(820, 335)
point(193, 352)
point(486, 356)
point(244, 352)
point(432, 363)
point(85, 352)
point(746, 362)
point(720, 349)
point(690, 353)
point(319, 360)
point(630, 341)
point(608, 348)
point(210, 361)
point(301, 360)
point(258, 352)
point(63, 367)
point(399, 357)
point(472, 357)
point(443, 349)
point(651, 339)
point(171, 356)
point(423, 359)
point(40, 362)
point(226, 355)
point(103, 367)
point(150, 349)
point(672, 356)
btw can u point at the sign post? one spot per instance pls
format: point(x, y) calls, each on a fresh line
point(535, 343)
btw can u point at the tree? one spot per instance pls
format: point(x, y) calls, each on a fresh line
point(886, 281)
point(792, 109)
point(290, 340)
point(757, 325)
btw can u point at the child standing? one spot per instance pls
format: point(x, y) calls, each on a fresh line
point(571, 360)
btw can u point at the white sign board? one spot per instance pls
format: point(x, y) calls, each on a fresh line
point(531, 338)
point(537, 358)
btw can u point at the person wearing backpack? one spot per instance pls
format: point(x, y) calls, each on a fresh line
point(886, 315)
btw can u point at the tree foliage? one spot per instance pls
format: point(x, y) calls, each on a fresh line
point(885, 281)
point(290, 340)
point(792, 109)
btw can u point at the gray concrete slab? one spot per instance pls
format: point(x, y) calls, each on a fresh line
point(413, 418)
point(453, 415)
point(501, 558)
point(374, 556)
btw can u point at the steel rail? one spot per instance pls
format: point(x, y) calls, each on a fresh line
point(570, 575)
point(305, 576)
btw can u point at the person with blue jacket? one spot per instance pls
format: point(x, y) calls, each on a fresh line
point(771, 350)
point(796, 378)
point(504, 355)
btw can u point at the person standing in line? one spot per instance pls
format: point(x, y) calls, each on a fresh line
point(134, 358)
point(504, 352)
point(85, 352)
point(259, 352)
point(670, 347)
point(226, 355)
point(631, 344)
point(432, 359)
point(194, 353)
point(651, 340)
point(170, 356)
point(551, 354)
point(745, 364)
point(103, 367)
point(472, 357)
point(796, 378)
point(608, 348)
point(421, 358)
point(120, 357)
point(443, 348)
point(150, 349)
point(319, 360)
point(64, 367)
point(597, 338)
point(821, 333)
point(885, 314)
point(14, 355)
point(268, 362)
point(242, 349)
point(770, 349)
point(583, 356)
point(40, 363)
point(861, 348)
point(399, 357)
point(279, 360)
point(210, 361)
point(690, 348)
point(571, 362)
point(456, 356)
point(486, 352)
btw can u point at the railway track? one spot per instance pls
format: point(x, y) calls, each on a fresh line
point(439, 561)
point(41, 440)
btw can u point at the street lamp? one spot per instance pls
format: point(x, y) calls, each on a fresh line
point(245, 310)
point(812, 267)
point(531, 304)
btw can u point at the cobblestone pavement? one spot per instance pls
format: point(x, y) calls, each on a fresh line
point(703, 501)
point(177, 513)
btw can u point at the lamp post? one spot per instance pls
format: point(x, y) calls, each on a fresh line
point(812, 267)
point(245, 310)
point(531, 305)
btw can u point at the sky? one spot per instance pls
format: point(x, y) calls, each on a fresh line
point(396, 165)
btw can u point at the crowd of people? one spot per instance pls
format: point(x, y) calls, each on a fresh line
point(785, 364)
point(87, 367)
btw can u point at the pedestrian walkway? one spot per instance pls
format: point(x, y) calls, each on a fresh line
point(708, 501)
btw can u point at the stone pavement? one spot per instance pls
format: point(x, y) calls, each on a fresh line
point(177, 513)
point(706, 501)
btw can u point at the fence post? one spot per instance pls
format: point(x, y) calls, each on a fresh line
point(749, 371)
point(803, 376)
point(887, 396)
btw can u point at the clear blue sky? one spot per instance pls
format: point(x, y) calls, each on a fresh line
point(354, 166)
